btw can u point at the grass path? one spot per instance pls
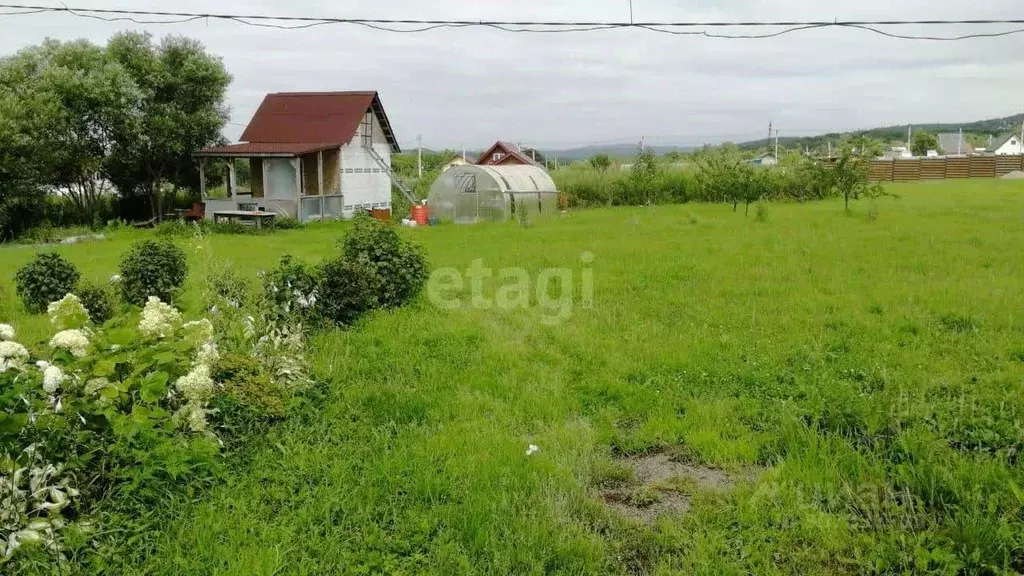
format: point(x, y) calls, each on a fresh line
point(872, 372)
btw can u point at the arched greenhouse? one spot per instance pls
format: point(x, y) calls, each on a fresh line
point(466, 194)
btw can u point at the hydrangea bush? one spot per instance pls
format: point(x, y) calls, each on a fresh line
point(122, 410)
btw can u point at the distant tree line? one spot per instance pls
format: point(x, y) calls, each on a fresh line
point(108, 131)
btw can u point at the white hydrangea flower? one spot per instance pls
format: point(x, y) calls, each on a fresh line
point(115, 278)
point(196, 386)
point(74, 340)
point(12, 355)
point(53, 377)
point(193, 416)
point(158, 319)
point(198, 332)
point(6, 332)
point(68, 312)
point(208, 354)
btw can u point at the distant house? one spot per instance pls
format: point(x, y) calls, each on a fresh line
point(457, 160)
point(311, 155)
point(504, 154)
point(763, 160)
point(898, 152)
point(953, 143)
point(1007, 145)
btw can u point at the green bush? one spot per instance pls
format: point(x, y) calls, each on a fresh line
point(47, 278)
point(171, 228)
point(249, 399)
point(152, 268)
point(290, 290)
point(286, 223)
point(400, 265)
point(347, 289)
point(99, 300)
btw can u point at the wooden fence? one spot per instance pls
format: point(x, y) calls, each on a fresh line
point(944, 167)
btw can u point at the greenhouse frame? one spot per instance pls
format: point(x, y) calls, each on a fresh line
point(467, 194)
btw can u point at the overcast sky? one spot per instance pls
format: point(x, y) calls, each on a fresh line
point(473, 86)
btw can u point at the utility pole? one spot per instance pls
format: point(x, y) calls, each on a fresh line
point(1022, 137)
point(776, 144)
point(829, 148)
point(960, 142)
point(419, 154)
point(909, 137)
point(464, 152)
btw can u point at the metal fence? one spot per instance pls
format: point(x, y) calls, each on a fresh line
point(944, 167)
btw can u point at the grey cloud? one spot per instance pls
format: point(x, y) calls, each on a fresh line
point(472, 86)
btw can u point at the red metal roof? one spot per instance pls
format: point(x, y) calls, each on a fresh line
point(509, 150)
point(256, 149)
point(290, 123)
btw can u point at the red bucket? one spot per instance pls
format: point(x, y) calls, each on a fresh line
point(420, 214)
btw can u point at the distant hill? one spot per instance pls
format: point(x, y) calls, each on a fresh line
point(995, 127)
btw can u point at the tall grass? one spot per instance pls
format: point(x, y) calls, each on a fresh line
point(583, 186)
point(864, 377)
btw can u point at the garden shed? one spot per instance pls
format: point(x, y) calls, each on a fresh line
point(467, 194)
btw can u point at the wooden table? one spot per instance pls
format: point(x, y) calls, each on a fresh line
point(254, 215)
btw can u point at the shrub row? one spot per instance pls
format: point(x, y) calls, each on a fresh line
point(173, 228)
point(709, 179)
point(375, 268)
point(149, 268)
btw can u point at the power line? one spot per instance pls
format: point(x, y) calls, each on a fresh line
point(683, 28)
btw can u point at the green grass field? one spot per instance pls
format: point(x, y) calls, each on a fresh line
point(862, 378)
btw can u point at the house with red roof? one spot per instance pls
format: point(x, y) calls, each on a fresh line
point(504, 154)
point(305, 155)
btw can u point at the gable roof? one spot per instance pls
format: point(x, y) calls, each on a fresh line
point(508, 150)
point(317, 117)
point(1000, 141)
point(950, 143)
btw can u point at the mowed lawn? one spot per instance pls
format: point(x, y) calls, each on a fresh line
point(864, 376)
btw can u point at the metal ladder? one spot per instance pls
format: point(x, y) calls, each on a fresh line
point(398, 182)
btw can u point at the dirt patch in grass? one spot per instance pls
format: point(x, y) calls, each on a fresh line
point(645, 487)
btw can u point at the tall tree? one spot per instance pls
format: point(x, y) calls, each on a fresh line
point(922, 142)
point(21, 196)
point(862, 145)
point(78, 100)
point(181, 109)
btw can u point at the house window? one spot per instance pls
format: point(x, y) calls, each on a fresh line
point(497, 156)
point(366, 130)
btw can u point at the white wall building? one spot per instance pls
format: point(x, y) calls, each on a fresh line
point(1008, 145)
point(311, 155)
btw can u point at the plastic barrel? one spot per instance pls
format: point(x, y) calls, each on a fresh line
point(420, 215)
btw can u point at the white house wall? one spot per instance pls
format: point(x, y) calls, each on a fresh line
point(363, 183)
point(1010, 147)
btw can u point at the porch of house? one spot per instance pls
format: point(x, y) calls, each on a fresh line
point(289, 180)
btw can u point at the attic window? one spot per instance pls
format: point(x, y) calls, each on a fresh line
point(497, 156)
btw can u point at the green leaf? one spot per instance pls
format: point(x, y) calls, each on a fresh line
point(154, 387)
point(12, 423)
point(104, 368)
point(122, 336)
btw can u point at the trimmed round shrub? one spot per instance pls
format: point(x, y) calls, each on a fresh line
point(400, 265)
point(346, 289)
point(99, 301)
point(47, 278)
point(152, 268)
